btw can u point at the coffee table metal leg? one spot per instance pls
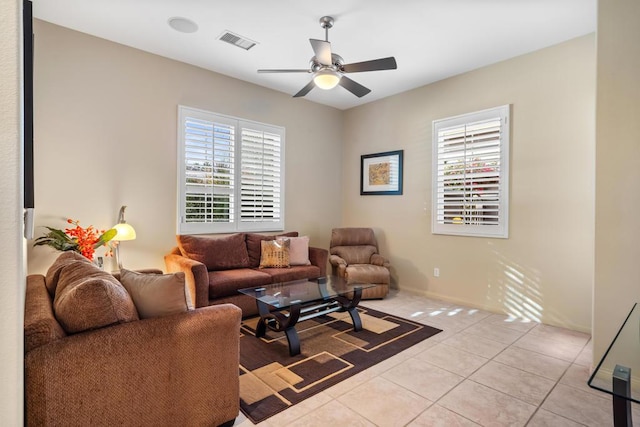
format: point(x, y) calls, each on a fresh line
point(350, 305)
point(261, 328)
point(290, 329)
point(279, 322)
point(294, 341)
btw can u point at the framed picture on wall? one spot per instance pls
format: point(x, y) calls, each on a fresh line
point(381, 173)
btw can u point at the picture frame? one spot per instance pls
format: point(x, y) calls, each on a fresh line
point(381, 173)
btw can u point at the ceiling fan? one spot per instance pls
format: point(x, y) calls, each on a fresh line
point(329, 68)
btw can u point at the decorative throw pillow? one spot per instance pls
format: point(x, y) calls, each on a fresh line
point(275, 253)
point(157, 295)
point(89, 298)
point(299, 251)
point(221, 253)
point(255, 250)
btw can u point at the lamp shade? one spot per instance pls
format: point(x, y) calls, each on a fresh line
point(326, 79)
point(124, 232)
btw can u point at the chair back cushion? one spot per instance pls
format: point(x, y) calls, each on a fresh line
point(353, 244)
point(354, 254)
point(89, 298)
point(53, 274)
point(353, 236)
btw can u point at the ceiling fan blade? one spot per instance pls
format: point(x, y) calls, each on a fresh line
point(305, 90)
point(374, 65)
point(284, 71)
point(355, 88)
point(322, 49)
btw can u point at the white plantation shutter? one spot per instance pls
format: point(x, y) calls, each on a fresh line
point(261, 177)
point(470, 174)
point(230, 174)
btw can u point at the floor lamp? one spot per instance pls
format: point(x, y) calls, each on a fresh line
point(124, 232)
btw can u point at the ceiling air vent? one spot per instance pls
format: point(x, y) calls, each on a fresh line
point(237, 40)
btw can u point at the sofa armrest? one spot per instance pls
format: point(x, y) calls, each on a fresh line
point(180, 369)
point(195, 274)
point(318, 257)
point(40, 324)
point(377, 259)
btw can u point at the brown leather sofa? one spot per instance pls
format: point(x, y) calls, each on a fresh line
point(216, 267)
point(354, 256)
point(179, 369)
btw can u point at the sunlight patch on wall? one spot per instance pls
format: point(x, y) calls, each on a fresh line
point(515, 288)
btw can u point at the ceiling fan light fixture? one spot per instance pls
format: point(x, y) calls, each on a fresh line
point(326, 79)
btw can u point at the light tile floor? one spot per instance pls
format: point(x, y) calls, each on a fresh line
point(483, 369)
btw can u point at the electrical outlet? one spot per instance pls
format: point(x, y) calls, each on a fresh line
point(436, 272)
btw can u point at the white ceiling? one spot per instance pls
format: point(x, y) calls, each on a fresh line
point(430, 39)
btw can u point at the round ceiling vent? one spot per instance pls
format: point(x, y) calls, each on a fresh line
point(183, 25)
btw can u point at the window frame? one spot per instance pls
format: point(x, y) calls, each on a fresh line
point(236, 223)
point(438, 225)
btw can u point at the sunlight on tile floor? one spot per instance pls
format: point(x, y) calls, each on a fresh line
point(483, 369)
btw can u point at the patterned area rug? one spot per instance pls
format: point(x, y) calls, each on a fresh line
point(271, 380)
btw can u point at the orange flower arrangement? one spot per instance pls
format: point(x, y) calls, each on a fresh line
point(78, 239)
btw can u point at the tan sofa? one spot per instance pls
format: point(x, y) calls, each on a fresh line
point(176, 370)
point(216, 267)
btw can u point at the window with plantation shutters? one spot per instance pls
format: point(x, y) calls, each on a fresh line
point(471, 174)
point(261, 175)
point(230, 174)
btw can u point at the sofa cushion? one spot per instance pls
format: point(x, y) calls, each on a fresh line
point(254, 247)
point(354, 254)
point(89, 298)
point(275, 253)
point(53, 274)
point(156, 295)
point(299, 251)
point(227, 282)
point(220, 253)
point(279, 275)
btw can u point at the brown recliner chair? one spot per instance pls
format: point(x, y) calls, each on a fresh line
point(354, 256)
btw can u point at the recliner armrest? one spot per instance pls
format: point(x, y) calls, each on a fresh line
point(338, 264)
point(377, 259)
point(335, 260)
point(195, 274)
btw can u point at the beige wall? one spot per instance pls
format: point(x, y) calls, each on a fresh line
point(12, 261)
point(617, 237)
point(545, 268)
point(106, 136)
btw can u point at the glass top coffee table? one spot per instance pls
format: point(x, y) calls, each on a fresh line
point(283, 305)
